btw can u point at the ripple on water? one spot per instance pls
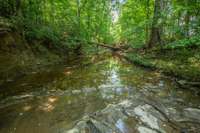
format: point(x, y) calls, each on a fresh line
point(61, 96)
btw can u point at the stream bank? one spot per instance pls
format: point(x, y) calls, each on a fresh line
point(181, 64)
point(18, 57)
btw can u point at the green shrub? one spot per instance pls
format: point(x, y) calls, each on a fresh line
point(43, 33)
point(184, 43)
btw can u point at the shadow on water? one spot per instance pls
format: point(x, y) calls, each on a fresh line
point(55, 99)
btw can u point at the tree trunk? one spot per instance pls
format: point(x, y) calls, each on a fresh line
point(187, 20)
point(18, 4)
point(147, 18)
point(187, 24)
point(78, 13)
point(155, 37)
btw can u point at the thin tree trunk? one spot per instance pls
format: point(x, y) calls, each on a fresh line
point(78, 15)
point(17, 6)
point(155, 37)
point(147, 23)
point(187, 22)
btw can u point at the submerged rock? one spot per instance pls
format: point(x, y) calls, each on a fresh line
point(187, 84)
point(140, 115)
point(146, 117)
point(192, 113)
point(143, 129)
point(76, 91)
point(126, 117)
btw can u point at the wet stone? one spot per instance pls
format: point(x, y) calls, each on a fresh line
point(147, 118)
point(76, 91)
point(114, 118)
point(142, 129)
point(192, 113)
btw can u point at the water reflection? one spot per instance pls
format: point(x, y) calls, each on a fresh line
point(53, 100)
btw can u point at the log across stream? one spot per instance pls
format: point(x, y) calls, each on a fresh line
point(108, 95)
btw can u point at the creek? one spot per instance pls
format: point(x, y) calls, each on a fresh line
point(58, 98)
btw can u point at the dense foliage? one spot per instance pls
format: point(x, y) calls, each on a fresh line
point(175, 19)
point(60, 21)
point(132, 22)
point(192, 42)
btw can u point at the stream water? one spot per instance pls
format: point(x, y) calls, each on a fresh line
point(55, 100)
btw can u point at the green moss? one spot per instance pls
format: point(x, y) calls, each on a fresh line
point(184, 43)
point(182, 63)
point(137, 59)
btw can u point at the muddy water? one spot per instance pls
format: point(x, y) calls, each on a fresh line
point(54, 100)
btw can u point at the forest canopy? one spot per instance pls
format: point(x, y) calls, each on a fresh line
point(136, 23)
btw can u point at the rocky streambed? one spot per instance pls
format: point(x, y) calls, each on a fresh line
point(107, 96)
point(140, 115)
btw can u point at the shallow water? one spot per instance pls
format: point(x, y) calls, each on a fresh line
point(53, 100)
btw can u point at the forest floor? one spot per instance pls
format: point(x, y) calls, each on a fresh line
point(183, 64)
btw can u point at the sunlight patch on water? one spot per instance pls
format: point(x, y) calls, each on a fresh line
point(49, 105)
point(27, 108)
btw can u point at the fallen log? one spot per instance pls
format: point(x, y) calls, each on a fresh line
point(99, 44)
point(110, 47)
